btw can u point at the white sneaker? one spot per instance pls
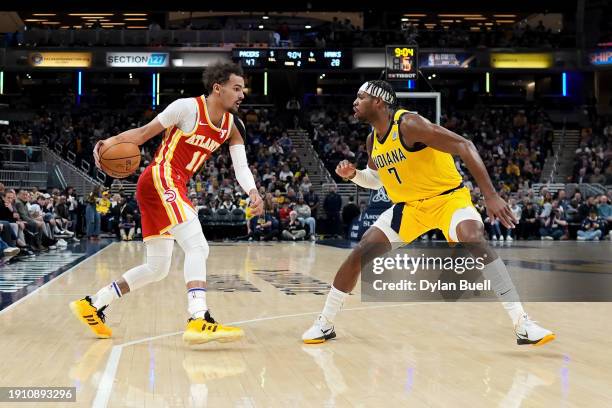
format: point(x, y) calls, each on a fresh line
point(509, 238)
point(61, 243)
point(10, 252)
point(52, 247)
point(63, 234)
point(579, 238)
point(528, 332)
point(501, 238)
point(321, 330)
point(494, 238)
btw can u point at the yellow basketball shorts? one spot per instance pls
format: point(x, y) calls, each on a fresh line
point(404, 222)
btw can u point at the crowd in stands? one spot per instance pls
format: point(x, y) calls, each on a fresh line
point(336, 33)
point(291, 204)
point(546, 216)
point(513, 143)
point(593, 160)
point(449, 35)
point(34, 221)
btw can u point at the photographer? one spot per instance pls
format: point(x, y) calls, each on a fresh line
point(554, 225)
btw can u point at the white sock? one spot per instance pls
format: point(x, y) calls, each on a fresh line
point(503, 287)
point(196, 302)
point(106, 295)
point(333, 304)
point(514, 310)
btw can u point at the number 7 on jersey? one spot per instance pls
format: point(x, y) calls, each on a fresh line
point(393, 170)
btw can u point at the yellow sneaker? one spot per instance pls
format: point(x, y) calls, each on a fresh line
point(92, 317)
point(203, 330)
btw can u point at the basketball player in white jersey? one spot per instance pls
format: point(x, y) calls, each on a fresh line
point(194, 129)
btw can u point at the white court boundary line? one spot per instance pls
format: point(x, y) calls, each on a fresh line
point(12, 305)
point(105, 386)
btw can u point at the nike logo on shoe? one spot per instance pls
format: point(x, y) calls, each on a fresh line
point(523, 335)
point(326, 331)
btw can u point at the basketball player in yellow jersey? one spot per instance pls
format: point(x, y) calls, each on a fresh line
point(413, 159)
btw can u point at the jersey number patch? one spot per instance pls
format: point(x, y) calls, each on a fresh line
point(392, 170)
point(196, 161)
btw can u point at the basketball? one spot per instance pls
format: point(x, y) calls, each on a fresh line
point(119, 160)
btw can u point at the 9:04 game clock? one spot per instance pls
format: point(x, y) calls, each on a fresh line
point(401, 62)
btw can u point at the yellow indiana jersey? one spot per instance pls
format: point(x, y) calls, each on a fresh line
point(412, 174)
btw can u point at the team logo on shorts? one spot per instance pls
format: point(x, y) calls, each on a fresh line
point(170, 195)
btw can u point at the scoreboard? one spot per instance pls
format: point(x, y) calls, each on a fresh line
point(401, 62)
point(298, 58)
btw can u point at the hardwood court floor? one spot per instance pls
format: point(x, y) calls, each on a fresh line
point(392, 355)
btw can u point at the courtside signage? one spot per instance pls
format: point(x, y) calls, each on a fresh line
point(137, 59)
point(521, 60)
point(601, 57)
point(60, 59)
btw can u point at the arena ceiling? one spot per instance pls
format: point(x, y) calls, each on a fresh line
point(523, 6)
point(140, 14)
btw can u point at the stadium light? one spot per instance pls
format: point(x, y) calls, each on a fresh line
point(564, 83)
point(157, 89)
point(265, 83)
point(154, 83)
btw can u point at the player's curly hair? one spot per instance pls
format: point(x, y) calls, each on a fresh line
point(219, 73)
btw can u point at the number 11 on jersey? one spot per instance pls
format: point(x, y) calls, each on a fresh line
point(196, 161)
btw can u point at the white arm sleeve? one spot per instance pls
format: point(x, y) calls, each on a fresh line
point(241, 167)
point(367, 178)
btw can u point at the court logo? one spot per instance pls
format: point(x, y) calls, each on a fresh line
point(381, 195)
point(170, 196)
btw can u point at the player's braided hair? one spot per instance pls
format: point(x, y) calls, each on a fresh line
point(219, 73)
point(384, 90)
